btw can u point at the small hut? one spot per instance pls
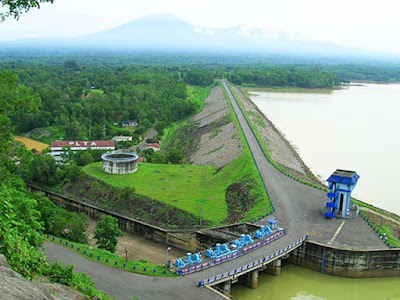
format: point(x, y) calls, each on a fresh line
point(341, 184)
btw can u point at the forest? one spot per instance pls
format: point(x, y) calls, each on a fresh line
point(88, 98)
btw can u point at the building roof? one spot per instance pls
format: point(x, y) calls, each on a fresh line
point(154, 145)
point(83, 144)
point(122, 137)
point(344, 176)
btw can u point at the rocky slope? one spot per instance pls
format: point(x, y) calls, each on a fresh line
point(212, 135)
point(279, 148)
point(14, 287)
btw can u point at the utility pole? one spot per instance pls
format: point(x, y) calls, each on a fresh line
point(166, 257)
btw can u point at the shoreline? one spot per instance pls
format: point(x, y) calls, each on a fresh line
point(244, 91)
point(308, 174)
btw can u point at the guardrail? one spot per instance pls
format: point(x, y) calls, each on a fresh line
point(268, 157)
point(110, 260)
point(377, 230)
point(228, 257)
point(253, 265)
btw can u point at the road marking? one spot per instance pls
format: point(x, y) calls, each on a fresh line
point(336, 233)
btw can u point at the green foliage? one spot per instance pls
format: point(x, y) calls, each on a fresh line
point(60, 222)
point(72, 65)
point(24, 215)
point(305, 78)
point(189, 187)
point(199, 77)
point(175, 156)
point(19, 223)
point(198, 95)
point(107, 232)
point(151, 95)
point(78, 281)
point(155, 157)
point(43, 169)
point(46, 134)
point(15, 8)
point(85, 158)
point(72, 172)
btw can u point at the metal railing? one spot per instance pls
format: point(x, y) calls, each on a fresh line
point(252, 264)
point(228, 257)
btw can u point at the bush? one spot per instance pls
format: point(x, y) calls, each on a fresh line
point(78, 281)
point(60, 222)
point(19, 227)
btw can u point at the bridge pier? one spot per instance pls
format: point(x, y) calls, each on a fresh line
point(276, 267)
point(254, 279)
point(250, 279)
point(226, 288)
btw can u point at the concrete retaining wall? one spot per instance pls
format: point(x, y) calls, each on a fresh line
point(347, 262)
point(186, 240)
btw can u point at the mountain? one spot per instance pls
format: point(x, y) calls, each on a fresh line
point(165, 32)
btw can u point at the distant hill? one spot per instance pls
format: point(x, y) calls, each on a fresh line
point(165, 32)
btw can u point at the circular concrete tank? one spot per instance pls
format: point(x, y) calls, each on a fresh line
point(120, 162)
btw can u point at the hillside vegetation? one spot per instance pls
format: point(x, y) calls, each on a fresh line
point(230, 193)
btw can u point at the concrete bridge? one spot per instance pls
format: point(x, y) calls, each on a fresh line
point(297, 210)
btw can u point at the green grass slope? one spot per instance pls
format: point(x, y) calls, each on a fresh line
point(200, 190)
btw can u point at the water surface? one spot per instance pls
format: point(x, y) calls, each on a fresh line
point(356, 128)
point(297, 283)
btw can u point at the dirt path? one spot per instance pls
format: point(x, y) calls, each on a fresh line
point(138, 247)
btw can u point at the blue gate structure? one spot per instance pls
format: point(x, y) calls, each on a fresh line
point(226, 252)
point(341, 184)
point(251, 266)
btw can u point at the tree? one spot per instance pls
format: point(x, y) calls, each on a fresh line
point(107, 232)
point(15, 9)
point(85, 158)
point(72, 64)
point(175, 156)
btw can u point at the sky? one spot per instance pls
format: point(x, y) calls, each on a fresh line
point(365, 24)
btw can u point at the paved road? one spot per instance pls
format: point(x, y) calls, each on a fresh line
point(297, 209)
point(121, 284)
point(298, 205)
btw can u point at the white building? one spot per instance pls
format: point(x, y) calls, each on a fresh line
point(58, 146)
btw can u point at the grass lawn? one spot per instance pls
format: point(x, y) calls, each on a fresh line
point(96, 91)
point(190, 187)
point(198, 94)
point(185, 186)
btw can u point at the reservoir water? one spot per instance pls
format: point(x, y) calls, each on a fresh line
point(354, 128)
point(296, 283)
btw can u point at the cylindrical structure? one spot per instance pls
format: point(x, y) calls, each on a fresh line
point(120, 162)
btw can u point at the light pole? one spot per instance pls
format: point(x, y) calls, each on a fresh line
point(166, 257)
